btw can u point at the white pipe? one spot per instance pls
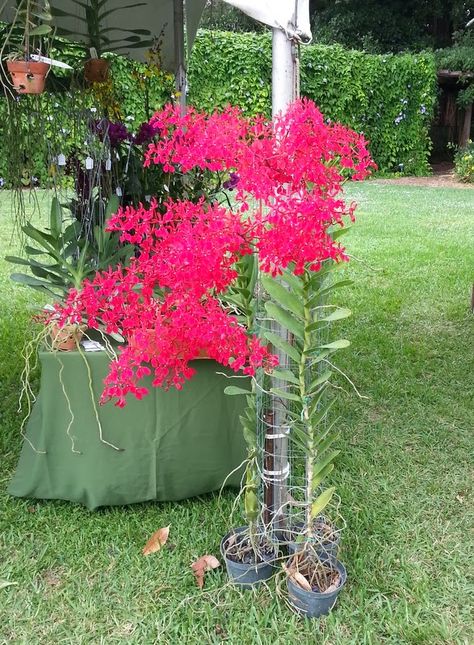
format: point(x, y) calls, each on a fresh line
point(180, 61)
point(283, 72)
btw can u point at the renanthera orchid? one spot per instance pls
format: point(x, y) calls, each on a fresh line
point(169, 302)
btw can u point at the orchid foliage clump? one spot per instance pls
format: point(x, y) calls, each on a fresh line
point(188, 288)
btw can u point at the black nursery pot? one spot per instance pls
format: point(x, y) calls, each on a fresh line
point(246, 575)
point(313, 604)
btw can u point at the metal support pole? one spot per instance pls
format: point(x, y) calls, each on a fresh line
point(276, 447)
point(180, 61)
point(283, 71)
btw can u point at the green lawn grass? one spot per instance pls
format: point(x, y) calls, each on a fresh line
point(404, 474)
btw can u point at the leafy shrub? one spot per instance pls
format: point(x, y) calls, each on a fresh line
point(464, 163)
point(390, 98)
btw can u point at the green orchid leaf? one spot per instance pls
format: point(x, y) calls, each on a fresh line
point(251, 505)
point(324, 445)
point(285, 319)
point(16, 260)
point(284, 394)
point(321, 502)
point(314, 408)
point(46, 241)
point(285, 375)
point(317, 415)
point(30, 250)
point(283, 296)
point(35, 283)
point(233, 390)
point(319, 380)
point(56, 218)
point(342, 343)
point(317, 479)
point(338, 314)
point(281, 344)
point(323, 462)
point(336, 234)
point(318, 297)
point(41, 30)
point(293, 281)
point(112, 207)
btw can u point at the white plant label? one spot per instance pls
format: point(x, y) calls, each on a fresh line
point(89, 163)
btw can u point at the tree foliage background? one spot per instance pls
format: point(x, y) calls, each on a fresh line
point(377, 26)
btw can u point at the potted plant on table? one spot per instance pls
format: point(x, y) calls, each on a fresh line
point(25, 42)
point(60, 259)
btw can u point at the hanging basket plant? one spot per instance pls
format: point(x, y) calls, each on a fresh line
point(24, 46)
point(96, 70)
point(93, 15)
point(27, 76)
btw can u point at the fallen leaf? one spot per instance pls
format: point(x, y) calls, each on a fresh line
point(300, 580)
point(157, 541)
point(460, 498)
point(203, 564)
point(6, 583)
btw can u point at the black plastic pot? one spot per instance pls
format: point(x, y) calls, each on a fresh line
point(312, 603)
point(246, 575)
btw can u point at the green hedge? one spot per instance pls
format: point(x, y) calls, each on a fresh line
point(388, 97)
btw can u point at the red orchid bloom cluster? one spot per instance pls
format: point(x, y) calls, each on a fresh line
point(167, 303)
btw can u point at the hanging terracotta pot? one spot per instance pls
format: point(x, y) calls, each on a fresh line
point(96, 70)
point(28, 77)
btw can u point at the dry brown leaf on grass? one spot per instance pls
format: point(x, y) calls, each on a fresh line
point(203, 564)
point(157, 541)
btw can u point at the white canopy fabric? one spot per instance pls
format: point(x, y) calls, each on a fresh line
point(292, 16)
point(154, 15)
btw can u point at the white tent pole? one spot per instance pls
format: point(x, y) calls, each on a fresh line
point(180, 62)
point(276, 466)
point(283, 71)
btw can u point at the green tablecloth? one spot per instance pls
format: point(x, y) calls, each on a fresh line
point(174, 444)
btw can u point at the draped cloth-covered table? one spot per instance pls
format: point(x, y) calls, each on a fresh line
point(173, 444)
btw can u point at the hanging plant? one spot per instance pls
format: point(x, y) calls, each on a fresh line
point(97, 36)
point(24, 46)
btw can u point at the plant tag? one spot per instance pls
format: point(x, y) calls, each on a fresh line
point(108, 164)
point(93, 52)
point(89, 163)
point(148, 198)
point(50, 61)
point(118, 191)
point(61, 160)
